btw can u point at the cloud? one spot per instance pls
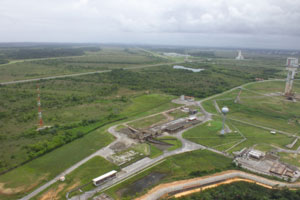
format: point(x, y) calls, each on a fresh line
point(123, 20)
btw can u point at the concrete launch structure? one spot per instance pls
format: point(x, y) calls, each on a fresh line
point(292, 66)
point(240, 56)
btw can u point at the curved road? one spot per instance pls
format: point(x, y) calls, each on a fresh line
point(104, 152)
point(107, 151)
point(141, 165)
point(186, 145)
point(166, 188)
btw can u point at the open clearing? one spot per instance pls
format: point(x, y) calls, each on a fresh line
point(260, 109)
point(81, 176)
point(145, 123)
point(262, 104)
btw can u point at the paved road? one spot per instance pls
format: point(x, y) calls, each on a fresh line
point(163, 189)
point(186, 145)
point(286, 150)
point(82, 74)
point(262, 127)
point(139, 166)
point(104, 152)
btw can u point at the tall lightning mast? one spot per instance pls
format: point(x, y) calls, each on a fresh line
point(41, 124)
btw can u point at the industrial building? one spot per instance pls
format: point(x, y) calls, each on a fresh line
point(175, 127)
point(256, 154)
point(265, 163)
point(180, 124)
point(187, 98)
point(140, 135)
point(170, 127)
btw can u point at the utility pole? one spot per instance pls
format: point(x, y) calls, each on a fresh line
point(40, 123)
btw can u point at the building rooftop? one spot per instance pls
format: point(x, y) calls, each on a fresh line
point(277, 168)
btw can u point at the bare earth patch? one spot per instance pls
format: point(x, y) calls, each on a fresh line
point(9, 191)
point(73, 186)
point(52, 194)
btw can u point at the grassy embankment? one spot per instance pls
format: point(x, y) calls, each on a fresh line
point(171, 140)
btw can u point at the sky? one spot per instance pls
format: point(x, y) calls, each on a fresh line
point(207, 23)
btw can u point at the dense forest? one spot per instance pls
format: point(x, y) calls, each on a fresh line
point(212, 80)
point(45, 52)
point(18, 112)
point(243, 191)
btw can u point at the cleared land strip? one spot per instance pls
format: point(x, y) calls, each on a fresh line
point(82, 74)
point(184, 185)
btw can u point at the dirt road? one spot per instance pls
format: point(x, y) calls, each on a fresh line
point(166, 188)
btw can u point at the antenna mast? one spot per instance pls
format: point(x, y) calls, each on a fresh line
point(40, 124)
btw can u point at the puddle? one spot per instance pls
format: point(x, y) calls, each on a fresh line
point(142, 184)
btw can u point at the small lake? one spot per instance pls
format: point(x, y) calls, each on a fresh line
point(186, 68)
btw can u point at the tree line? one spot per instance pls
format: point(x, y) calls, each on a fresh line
point(243, 191)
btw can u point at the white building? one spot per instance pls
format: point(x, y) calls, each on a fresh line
point(256, 154)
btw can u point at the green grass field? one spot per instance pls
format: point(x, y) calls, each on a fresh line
point(254, 107)
point(208, 134)
point(290, 158)
point(147, 104)
point(260, 137)
point(171, 140)
point(48, 166)
point(178, 114)
point(154, 151)
point(43, 169)
point(79, 177)
point(145, 123)
point(176, 168)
